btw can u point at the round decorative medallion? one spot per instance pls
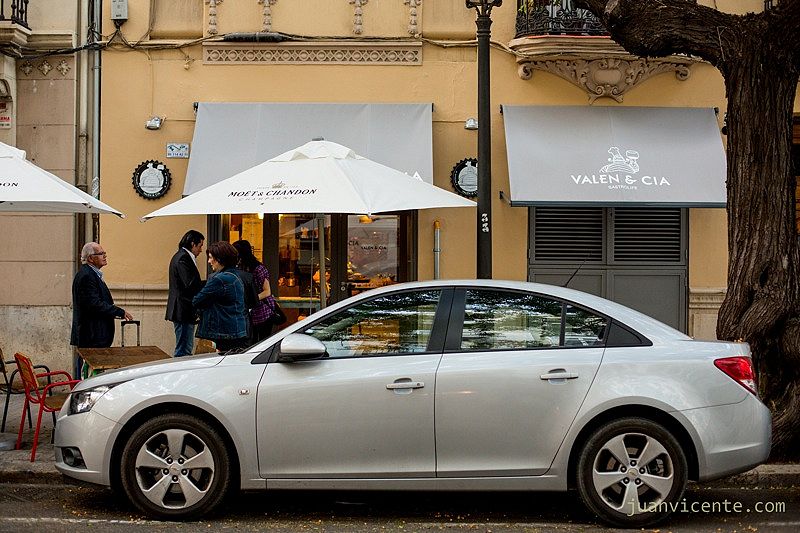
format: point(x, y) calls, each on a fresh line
point(465, 177)
point(151, 179)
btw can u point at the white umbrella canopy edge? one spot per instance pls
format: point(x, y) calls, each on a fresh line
point(318, 177)
point(25, 187)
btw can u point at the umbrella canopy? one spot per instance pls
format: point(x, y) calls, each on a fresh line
point(26, 187)
point(318, 177)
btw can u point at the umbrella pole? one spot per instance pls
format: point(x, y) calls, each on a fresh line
point(323, 285)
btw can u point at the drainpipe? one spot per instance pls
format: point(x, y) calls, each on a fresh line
point(95, 190)
point(437, 247)
point(82, 148)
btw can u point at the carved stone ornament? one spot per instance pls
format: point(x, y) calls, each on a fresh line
point(266, 24)
point(63, 67)
point(314, 53)
point(413, 21)
point(212, 16)
point(45, 67)
point(26, 67)
point(609, 77)
point(358, 20)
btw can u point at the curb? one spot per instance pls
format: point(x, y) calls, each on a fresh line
point(37, 478)
point(769, 475)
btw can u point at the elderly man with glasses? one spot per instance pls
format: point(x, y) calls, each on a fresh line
point(93, 309)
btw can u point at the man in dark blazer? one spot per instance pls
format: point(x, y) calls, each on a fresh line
point(184, 283)
point(93, 309)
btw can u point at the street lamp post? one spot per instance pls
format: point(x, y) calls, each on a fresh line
point(484, 24)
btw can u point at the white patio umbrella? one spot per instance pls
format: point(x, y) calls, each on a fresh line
point(318, 177)
point(26, 187)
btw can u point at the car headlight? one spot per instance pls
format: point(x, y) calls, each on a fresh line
point(83, 401)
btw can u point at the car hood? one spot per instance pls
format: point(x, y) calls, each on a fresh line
point(148, 369)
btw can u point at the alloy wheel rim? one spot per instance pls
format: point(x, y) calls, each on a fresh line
point(174, 469)
point(633, 473)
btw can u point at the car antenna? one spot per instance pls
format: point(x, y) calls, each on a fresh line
point(577, 269)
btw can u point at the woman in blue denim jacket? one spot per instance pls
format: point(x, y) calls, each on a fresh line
point(221, 301)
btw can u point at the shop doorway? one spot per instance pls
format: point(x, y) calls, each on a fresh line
point(361, 253)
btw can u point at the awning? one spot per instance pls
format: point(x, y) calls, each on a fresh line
point(611, 156)
point(232, 137)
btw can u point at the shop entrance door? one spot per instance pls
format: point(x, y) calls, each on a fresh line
point(371, 252)
point(361, 253)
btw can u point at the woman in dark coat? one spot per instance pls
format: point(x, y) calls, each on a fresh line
point(221, 301)
point(260, 314)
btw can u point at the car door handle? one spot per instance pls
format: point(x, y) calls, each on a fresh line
point(559, 374)
point(405, 385)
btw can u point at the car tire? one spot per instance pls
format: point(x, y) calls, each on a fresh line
point(175, 467)
point(631, 472)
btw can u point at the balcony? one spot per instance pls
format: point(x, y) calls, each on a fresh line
point(555, 17)
point(556, 37)
point(14, 29)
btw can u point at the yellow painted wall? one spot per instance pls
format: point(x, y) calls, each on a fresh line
point(137, 85)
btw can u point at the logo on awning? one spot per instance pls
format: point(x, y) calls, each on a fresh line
point(278, 189)
point(617, 163)
point(620, 172)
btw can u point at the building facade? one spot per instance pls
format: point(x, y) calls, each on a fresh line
point(45, 109)
point(193, 91)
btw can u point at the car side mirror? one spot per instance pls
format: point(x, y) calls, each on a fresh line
point(300, 347)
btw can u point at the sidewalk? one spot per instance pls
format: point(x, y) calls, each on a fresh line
point(15, 465)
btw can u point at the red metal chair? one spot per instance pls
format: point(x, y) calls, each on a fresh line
point(47, 401)
point(11, 385)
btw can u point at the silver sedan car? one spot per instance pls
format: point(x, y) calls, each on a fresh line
point(443, 385)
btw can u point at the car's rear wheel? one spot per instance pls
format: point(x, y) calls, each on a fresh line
point(631, 472)
point(175, 467)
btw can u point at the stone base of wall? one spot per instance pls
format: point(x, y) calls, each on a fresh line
point(704, 306)
point(40, 332)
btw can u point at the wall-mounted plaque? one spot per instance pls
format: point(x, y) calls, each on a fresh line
point(178, 150)
point(151, 179)
point(465, 177)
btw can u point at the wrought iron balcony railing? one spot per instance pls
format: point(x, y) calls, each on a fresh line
point(555, 17)
point(16, 11)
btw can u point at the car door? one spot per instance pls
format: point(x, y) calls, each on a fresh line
point(511, 381)
point(365, 410)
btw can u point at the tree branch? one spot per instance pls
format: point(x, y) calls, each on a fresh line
point(657, 28)
point(784, 28)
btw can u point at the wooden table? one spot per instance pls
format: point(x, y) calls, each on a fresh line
point(96, 360)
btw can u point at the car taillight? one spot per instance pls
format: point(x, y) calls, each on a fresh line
point(740, 369)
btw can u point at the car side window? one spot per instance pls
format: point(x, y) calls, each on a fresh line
point(583, 328)
point(392, 324)
point(506, 320)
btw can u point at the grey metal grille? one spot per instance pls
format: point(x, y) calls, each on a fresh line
point(568, 235)
point(647, 235)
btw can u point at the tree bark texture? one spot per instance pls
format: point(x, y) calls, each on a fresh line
point(759, 59)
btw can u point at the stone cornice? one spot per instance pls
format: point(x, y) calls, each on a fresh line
point(139, 295)
point(314, 53)
point(52, 40)
point(12, 34)
point(706, 298)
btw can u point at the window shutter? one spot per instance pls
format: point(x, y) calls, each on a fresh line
point(647, 235)
point(568, 234)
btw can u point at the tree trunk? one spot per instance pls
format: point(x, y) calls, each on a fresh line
point(760, 62)
point(761, 305)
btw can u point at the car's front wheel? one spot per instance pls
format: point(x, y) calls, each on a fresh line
point(175, 467)
point(631, 472)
